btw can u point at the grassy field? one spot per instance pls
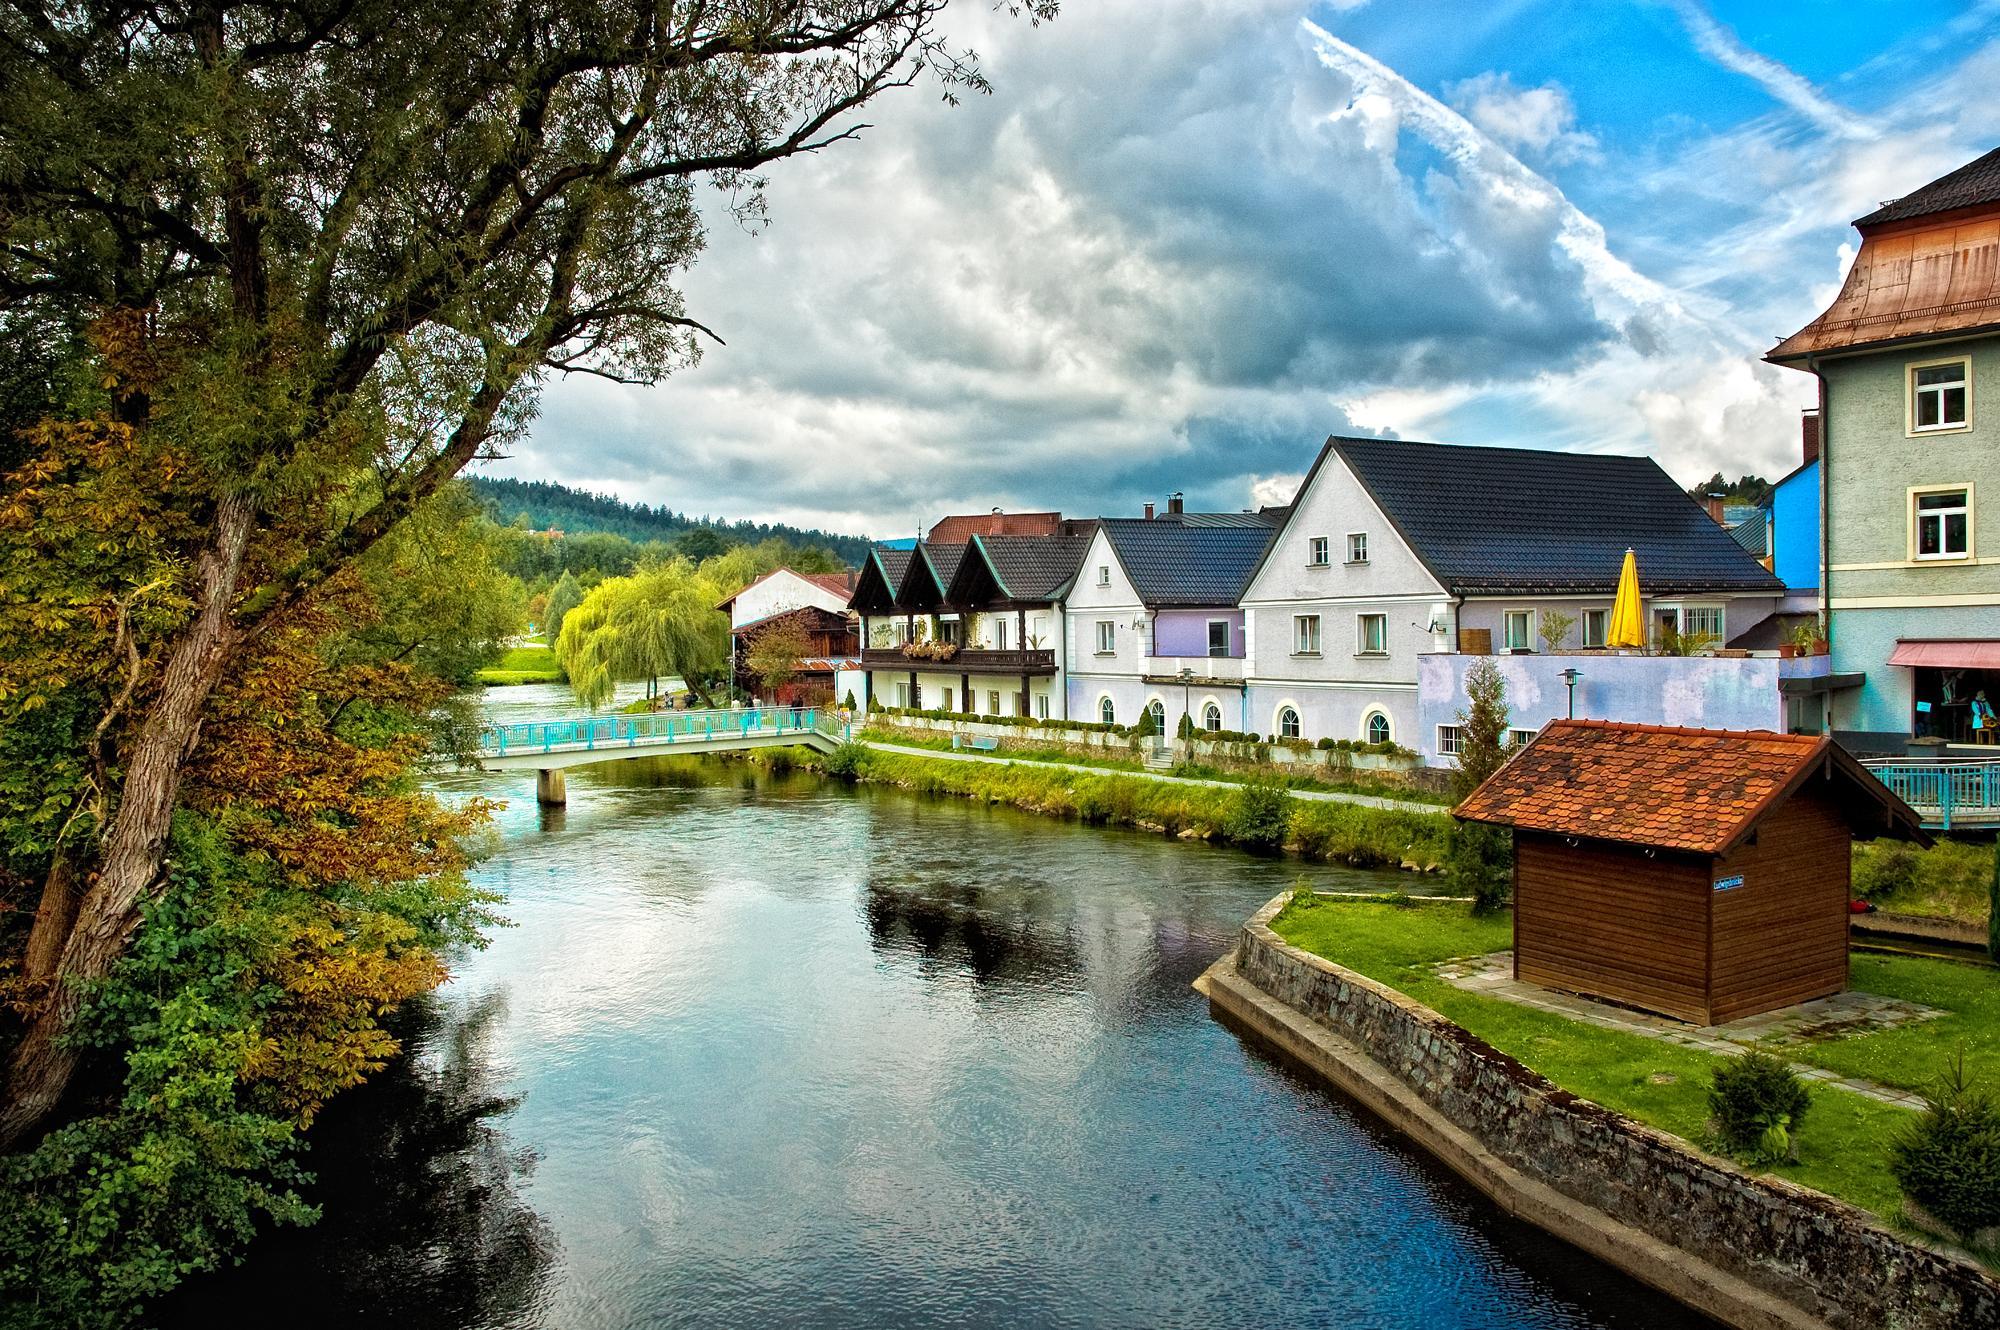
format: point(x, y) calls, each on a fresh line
point(535, 664)
point(1126, 760)
point(1353, 834)
point(1951, 879)
point(1842, 1146)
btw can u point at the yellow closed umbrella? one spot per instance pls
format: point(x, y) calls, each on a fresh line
point(1628, 621)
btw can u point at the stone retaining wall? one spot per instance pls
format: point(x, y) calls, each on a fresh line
point(1818, 1254)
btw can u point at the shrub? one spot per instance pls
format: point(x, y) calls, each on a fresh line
point(1303, 898)
point(1260, 817)
point(848, 701)
point(1479, 862)
point(844, 762)
point(1885, 868)
point(1758, 1105)
point(1948, 1159)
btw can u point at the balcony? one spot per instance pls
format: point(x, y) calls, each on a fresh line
point(977, 660)
point(1208, 670)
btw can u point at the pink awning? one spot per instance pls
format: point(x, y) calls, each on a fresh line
point(1948, 655)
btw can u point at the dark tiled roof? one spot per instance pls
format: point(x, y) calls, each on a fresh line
point(1975, 183)
point(1188, 565)
point(945, 559)
point(1034, 567)
point(895, 563)
point(1263, 517)
point(1753, 534)
point(1677, 789)
point(1494, 521)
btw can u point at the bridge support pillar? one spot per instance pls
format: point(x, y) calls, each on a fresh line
point(551, 790)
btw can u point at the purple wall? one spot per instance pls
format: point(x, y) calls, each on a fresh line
point(1185, 632)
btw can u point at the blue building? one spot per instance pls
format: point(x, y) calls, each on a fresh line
point(1795, 518)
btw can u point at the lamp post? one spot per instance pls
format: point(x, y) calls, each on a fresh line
point(1570, 676)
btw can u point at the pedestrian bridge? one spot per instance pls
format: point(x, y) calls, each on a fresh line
point(1947, 796)
point(550, 747)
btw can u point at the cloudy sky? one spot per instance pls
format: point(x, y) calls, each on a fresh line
point(1184, 240)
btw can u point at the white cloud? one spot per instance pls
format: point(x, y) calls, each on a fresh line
point(1541, 121)
point(1784, 84)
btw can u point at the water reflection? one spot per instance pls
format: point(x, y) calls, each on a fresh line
point(424, 1222)
point(794, 1053)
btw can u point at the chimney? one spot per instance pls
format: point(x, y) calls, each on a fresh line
point(1713, 503)
point(1174, 502)
point(1809, 433)
point(1149, 512)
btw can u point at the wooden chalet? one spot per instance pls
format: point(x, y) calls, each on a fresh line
point(1702, 874)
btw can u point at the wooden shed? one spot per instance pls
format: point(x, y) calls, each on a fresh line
point(1702, 874)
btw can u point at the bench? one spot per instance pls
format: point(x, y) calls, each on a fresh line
point(982, 742)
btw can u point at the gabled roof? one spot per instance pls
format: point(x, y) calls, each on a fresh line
point(838, 584)
point(1970, 186)
point(1699, 791)
point(927, 581)
point(882, 572)
point(958, 529)
point(1525, 521)
point(1188, 565)
point(1753, 534)
point(1021, 568)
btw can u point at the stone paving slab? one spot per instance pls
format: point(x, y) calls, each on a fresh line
point(1841, 1014)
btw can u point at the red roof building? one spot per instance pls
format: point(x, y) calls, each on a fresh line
point(1702, 874)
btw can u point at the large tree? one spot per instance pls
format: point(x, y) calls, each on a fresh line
point(322, 252)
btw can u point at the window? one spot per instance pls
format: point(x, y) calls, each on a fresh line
point(1305, 634)
point(902, 695)
point(1447, 741)
point(1104, 574)
point(1520, 630)
point(1938, 396)
point(1593, 627)
point(947, 699)
point(1357, 547)
point(1159, 710)
point(993, 701)
point(1516, 738)
point(1107, 712)
point(1107, 637)
point(1288, 723)
point(1375, 729)
point(1371, 634)
point(1218, 637)
point(1316, 556)
point(1000, 634)
point(1704, 621)
point(1211, 718)
point(1042, 705)
point(1944, 525)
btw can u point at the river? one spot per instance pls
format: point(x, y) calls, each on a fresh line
point(769, 1050)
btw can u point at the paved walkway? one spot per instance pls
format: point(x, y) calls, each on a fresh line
point(1841, 1014)
point(1320, 796)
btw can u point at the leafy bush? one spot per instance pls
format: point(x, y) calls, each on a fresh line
point(1479, 862)
point(844, 762)
point(1948, 1159)
point(1885, 868)
point(848, 701)
point(1759, 1105)
point(1260, 817)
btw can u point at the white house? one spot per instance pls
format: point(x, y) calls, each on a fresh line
point(1395, 549)
point(781, 590)
point(1154, 621)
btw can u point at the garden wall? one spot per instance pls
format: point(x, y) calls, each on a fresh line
point(1776, 1254)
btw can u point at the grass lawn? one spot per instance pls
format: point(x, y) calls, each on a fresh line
point(1842, 1145)
point(535, 664)
point(1912, 1056)
point(1951, 879)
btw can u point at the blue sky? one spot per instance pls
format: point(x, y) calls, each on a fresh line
point(1184, 240)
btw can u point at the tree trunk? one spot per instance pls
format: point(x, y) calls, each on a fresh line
point(54, 918)
point(135, 844)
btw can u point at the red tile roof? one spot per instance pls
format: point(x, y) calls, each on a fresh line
point(958, 529)
point(1676, 789)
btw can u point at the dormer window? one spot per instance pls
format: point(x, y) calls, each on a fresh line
point(1316, 552)
point(1940, 396)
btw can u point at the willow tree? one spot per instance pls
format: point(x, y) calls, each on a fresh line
point(661, 620)
point(323, 252)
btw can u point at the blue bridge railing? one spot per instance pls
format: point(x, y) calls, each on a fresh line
point(1943, 791)
point(655, 729)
